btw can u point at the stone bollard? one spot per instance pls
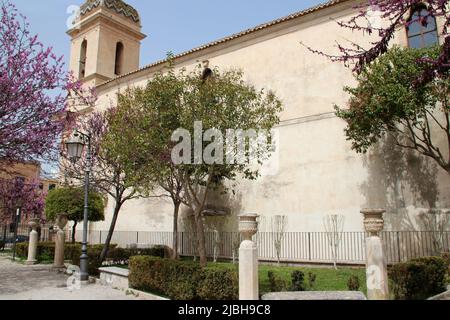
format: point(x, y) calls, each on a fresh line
point(376, 269)
point(248, 258)
point(61, 221)
point(33, 242)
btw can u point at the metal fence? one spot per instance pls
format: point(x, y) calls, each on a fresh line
point(23, 231)
point(296, 247)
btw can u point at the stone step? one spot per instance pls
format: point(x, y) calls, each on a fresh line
point(315, 295)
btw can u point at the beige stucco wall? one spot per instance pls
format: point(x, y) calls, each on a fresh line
point(29, 171)
point(318, 173)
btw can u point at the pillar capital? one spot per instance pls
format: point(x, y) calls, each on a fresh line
point(373, 221)
point(248, 225)
point(61, 220)
point(34, 223)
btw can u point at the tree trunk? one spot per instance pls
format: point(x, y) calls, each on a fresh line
point(175, 230)
point(201, 241)
point(4, 238)
point(105, 250)
point(74, 229)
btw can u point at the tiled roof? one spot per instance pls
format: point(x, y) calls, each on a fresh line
point(116, 5)
point(235, 36)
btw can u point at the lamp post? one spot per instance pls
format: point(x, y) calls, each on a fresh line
point(16, 224)
point(75, 146)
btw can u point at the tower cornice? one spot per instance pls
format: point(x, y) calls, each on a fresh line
point(118, 6)
point(100, 17)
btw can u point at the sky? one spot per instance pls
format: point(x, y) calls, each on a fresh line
point(176, 25)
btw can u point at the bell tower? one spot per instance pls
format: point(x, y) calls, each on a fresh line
point(105, 41)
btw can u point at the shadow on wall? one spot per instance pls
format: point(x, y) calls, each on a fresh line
point(229, 203)
point(221, 212)
point(221, 226)
point(408, 185)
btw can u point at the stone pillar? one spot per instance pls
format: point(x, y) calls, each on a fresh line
point(376, 269)
point(61, 222)
point(248, 258)
point(33, 242)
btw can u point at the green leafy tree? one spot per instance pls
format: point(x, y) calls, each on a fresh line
point(389, 101)
point(144, 147)
point(223, 102)
point(107, 175)
point(178, 100)
point(71, 201)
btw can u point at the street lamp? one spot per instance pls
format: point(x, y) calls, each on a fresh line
point(75, 146)
point(19, 204)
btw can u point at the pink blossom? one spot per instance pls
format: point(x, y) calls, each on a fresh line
point(33, 99)
point(29, 194)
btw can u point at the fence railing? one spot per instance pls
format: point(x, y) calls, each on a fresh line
point(296, 247)
point(23, 232)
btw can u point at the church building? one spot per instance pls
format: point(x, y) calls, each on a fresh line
point(316, 171)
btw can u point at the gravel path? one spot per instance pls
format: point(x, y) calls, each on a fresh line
point(41, 282)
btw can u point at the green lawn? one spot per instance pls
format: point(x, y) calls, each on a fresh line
point(328, 279)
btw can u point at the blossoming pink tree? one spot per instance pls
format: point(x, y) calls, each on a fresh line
point(33, 92)
point(28, 193)
point(397, 13)
point(14, 192)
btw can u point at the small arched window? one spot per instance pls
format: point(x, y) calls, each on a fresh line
point(422, 29)
point(207, 73)
point(119, 59)
point(83, 54)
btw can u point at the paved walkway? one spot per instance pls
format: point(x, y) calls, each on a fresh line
point(41, 282)
point(443, 296)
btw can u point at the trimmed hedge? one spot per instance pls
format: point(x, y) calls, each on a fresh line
point(46, 250)
point(353, 283)
point(218, 285)
point(277, 283)
point(181, 280)
point(116, 256)
point(446, 257)
point(72, 252)
point(418, 279)
point(122, 256)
